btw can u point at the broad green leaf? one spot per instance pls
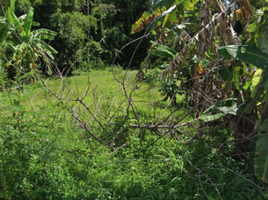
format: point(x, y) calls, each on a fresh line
point(219, 109)
point(46, 37)
point(45, 47)
point(261, 154)
point(189, 4)
point(43, 31)
point(28, 23)
point(48, 47)
point(12, 5)
point(167, 19)
point(262, 38)
point(255, 82)
point(164, 52)
point(209, 118)
point(14, 20)
point(252, 27)
point(174, 16)
point(228, 110)
point(247, 54)
point(247, 84)
point(174, 13)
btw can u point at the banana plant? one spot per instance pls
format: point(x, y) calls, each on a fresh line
point(22, 47)
point(166, 13)
point(258, 87)
point(250, 65)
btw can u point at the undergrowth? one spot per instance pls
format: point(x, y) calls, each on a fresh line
point(45, 155)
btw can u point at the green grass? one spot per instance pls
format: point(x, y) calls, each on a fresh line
point(101, 85)
point(106, 95)
point(45, 155)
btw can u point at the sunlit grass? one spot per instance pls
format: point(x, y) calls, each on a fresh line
point(109, 95)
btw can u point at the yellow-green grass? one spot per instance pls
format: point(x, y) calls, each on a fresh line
point(108, 97)
point(104, 88)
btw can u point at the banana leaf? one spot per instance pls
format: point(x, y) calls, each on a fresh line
point(219, 109)
point(164, 52)
point(14, 20)
point(248, 54)
point(28, 23)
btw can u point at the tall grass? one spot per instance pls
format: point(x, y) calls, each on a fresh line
point(45, 155)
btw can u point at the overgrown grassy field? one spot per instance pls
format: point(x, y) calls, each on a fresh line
point(44, 154)
point(105, 95)
point(102, 88)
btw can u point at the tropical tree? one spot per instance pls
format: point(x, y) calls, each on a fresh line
point(22, 49)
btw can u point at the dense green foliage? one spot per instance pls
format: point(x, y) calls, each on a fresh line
point(89, 32)
point(108, 134)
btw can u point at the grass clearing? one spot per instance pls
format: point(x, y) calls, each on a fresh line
point(106, 96)
point(63, 162)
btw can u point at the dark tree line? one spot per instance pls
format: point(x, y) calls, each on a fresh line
point(90, 33)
